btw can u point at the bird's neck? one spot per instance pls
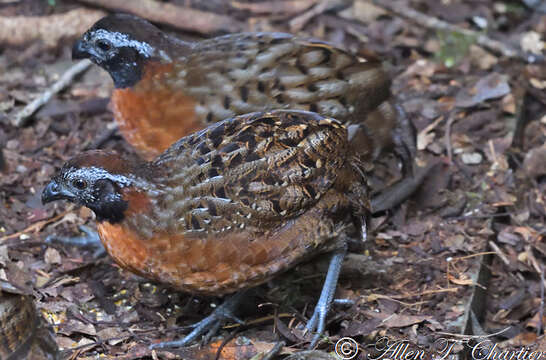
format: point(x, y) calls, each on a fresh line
point(168, 49)
point(127, 189)
point(126, 202)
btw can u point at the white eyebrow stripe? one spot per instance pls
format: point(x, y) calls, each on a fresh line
point(96, 173)
point(122, 40)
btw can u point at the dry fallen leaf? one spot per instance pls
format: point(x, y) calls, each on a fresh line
point(531, 42)
point(509, 104)
point(474, 158)
point(362, 11)
point(481, 58)
point(534, 163)
point(460, 281)
point(52, 256)
point(74, 326)
point(398, 321)
point(537, 83)
point(4, 258)
point(426, 136)
point(489, 87)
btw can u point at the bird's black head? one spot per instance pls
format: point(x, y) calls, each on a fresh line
point(122, 44)
point(95, 179)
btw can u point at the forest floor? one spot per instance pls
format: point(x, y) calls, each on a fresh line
point(463, 259)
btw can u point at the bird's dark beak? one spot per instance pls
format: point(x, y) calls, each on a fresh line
point(53, 191)
point(80, 50)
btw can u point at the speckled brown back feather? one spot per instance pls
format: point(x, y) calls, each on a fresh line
point(232, 205)
point(253, 170)
point(241, 73)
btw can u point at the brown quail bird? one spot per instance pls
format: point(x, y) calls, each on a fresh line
point(228, 207)
point(167, 88)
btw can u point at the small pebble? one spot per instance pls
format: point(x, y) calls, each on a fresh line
point(472, 158)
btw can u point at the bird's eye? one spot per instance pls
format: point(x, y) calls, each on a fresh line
point(104, 45)
point(79, 184)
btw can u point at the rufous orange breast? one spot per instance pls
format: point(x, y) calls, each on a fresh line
point(139, 109)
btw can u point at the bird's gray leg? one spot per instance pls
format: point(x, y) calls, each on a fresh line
point(317, 323)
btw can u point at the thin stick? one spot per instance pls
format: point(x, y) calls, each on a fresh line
point(50, 29)
point(282, 7)
point(422, 293)
point(437, 24)
point(300, 21)
point(447, 138)
point(183, 18)
point(541, 309)
point(37, 226)
point(499, 252)
point(274, 351)
point(472, 255)
point(418, 303)
point(24, 115)
point(469, 337)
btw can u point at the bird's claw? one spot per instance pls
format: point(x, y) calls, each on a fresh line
point(209, 325)
point(317, 324)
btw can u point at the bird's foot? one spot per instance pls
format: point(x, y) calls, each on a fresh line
point(89, 240)
point(208, 325)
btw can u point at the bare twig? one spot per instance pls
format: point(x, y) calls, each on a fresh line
point(455, 259)
point(407, 304)
point(183, 18)
point(534, 262)
point(22, 117)
point(424, 137)
point(271, 354)
point(541, 309)
point(437, 24)
point(449, 147)
point(499, 252)
point(470, 337)
point(19, 30)
point(37, 226)
point(297, 23)
point(284, 7)
point(395, 194)
point(102, 138)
